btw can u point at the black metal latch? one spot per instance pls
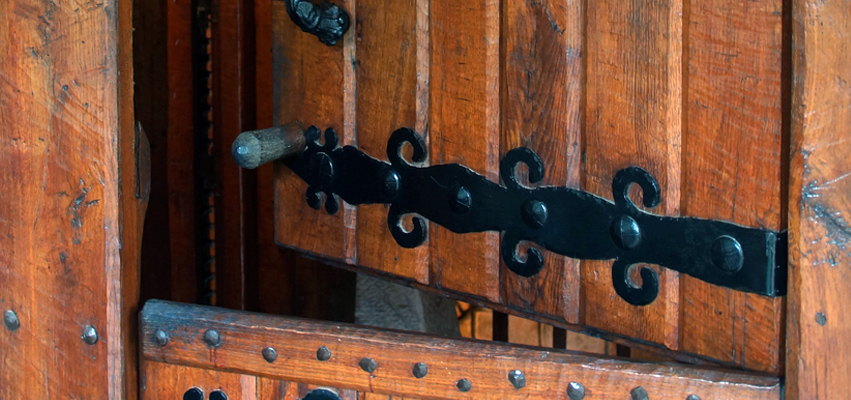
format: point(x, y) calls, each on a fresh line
point(566, 221)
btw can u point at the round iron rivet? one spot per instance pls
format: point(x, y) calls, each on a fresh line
point(193, 394)
point(517, 379)
point(639, 394)
point(160, 337)
point(626, 233)
point(212, 338)
point(323, 354)
point(534, 213)
point(367, 364)
point(218, 395)
point(11, 320)
point(692, 397)
point(464, 385)
point(321, 394)
point(90, 335)
point(461, 201)
point(269, 354)
point(726, 254)
point(575, 391)
point(322, 168)
point(420, 370)
point(390, 183)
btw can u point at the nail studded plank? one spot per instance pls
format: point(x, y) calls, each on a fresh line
point(456, 369)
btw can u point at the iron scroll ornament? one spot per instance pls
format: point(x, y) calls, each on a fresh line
point(327, 21)
point(566, 221)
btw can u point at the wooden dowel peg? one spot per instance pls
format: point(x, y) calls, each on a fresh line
point(252, 149)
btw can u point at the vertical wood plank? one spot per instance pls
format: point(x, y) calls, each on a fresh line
point(233, 57)
point(134, 174)
point(541, 82)
point(315, 85)
point(819, 320)
point(179, 158)
point(168, 381)
point(464, 129)
point(732, 166)
point(633, 117)
point(275, 266)
point(389, 97)
point(151, 104)
point(65, 103)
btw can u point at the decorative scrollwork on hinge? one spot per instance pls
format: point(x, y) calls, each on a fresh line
point(563, 220)
point(327, 21)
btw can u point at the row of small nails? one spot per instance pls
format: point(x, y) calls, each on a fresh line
point(575, 390)
point(10, 319)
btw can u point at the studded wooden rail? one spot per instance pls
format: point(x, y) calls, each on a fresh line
point(395, 363)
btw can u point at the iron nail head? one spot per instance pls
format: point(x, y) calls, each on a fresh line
point(269, 354)
point(212, 338)
point(11, 320)
point(90, 335)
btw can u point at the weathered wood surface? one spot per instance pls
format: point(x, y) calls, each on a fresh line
point(633, 96)
point(392, 90)
point(541, 78)
point(691, 91)
point(819, 320)
point(69, 212)
point(733, 158)
point(484, 364)
point(314, 85)
point(463, 127)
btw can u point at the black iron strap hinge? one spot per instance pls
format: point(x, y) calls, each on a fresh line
point(563, 220)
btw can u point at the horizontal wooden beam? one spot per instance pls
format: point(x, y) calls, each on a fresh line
point(182, 334)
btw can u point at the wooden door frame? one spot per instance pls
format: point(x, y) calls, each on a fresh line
point(818, 344)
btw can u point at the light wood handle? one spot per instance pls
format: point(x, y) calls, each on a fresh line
point(252, 149)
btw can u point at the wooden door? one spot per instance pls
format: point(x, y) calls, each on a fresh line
point(694, 93)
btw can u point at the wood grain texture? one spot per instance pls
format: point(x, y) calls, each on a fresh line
point(150, 49)
point(166, 381)
point(732, 153)
point(235, 192)
point(819, 320)
point(316, 86)
point(541, 80)
point(66, 110)
point(134, 172)
point(464, 129)
point(633, 118)
point(274, 264)
point(182, 216)
point(388, 97)
point(484, 364)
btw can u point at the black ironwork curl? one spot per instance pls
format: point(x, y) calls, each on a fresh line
point(327, 21)
point(563, 220)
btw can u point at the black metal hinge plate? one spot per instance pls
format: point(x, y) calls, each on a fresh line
point(563, 220)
